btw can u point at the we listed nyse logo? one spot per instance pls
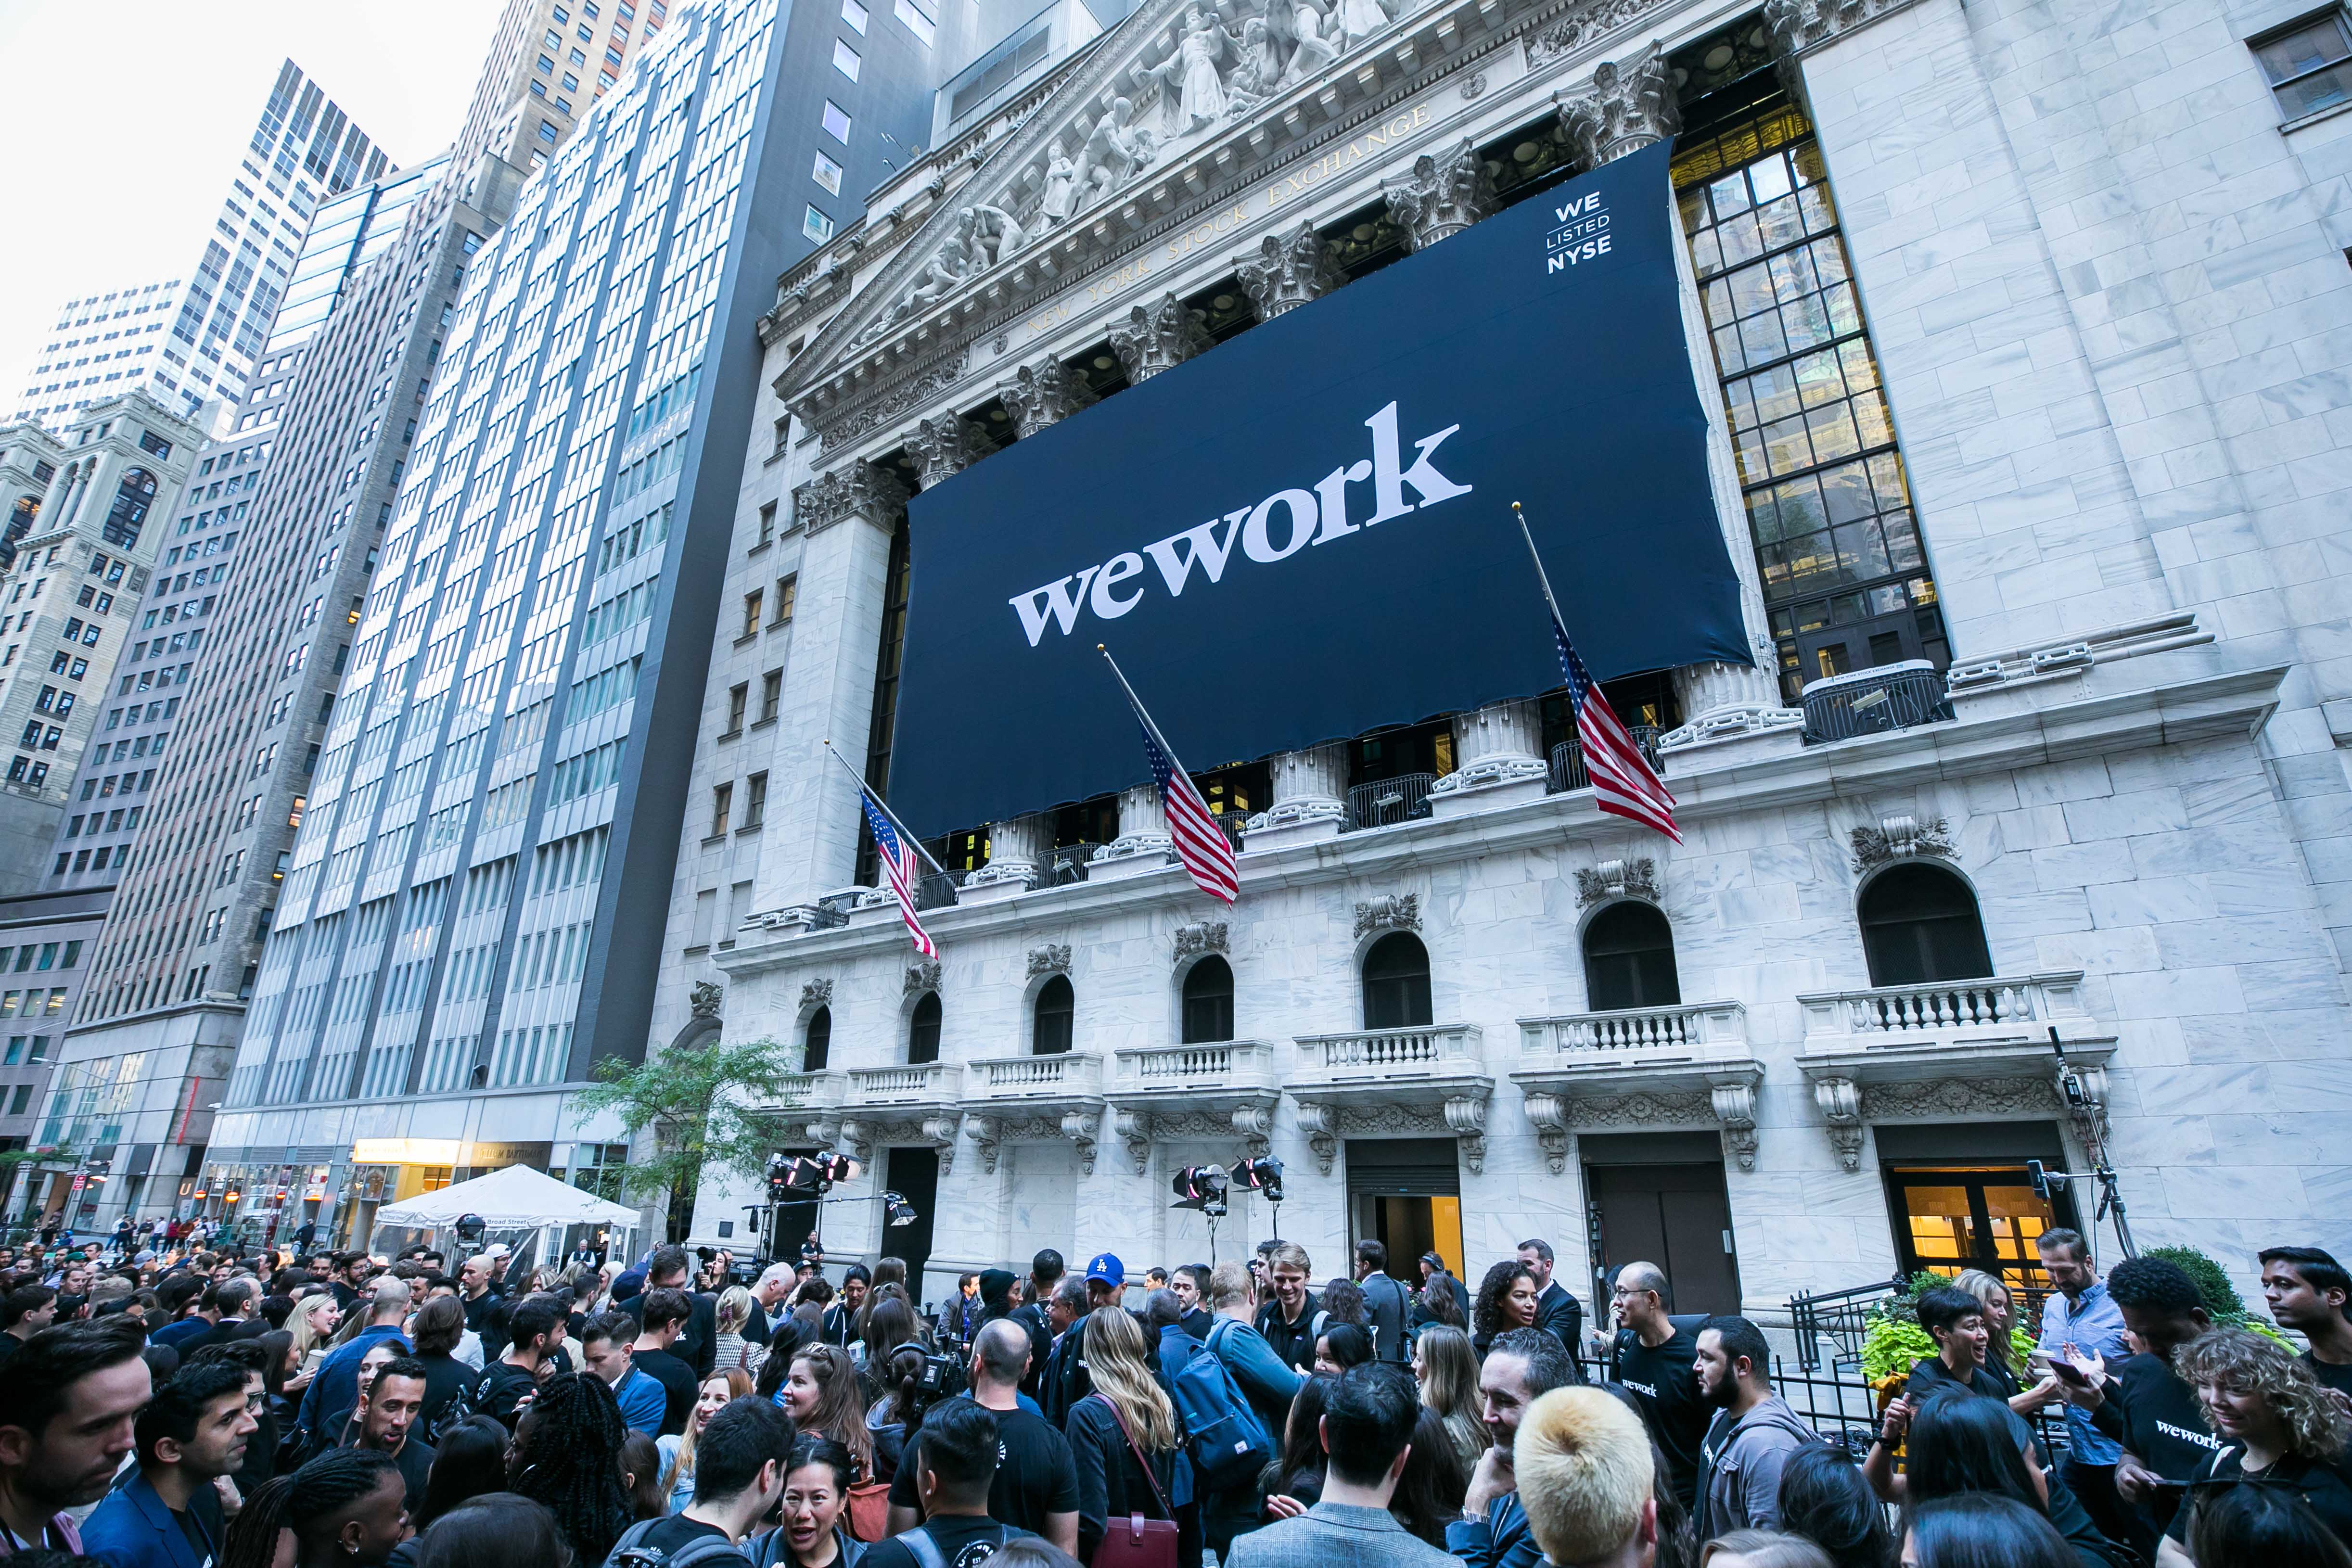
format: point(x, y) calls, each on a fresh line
point(1582, 235)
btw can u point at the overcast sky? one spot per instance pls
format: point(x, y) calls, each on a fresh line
point(129, 116)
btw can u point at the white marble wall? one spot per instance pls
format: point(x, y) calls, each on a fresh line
point(2110, 296)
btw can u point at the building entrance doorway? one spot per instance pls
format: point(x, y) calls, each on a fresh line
point(1406, 1195)
point(1953, 1217)
point(1675, 1216)
point(913, 1175)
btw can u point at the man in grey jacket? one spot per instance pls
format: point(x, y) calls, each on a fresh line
point(1366, 1435)
point(1751, 1436)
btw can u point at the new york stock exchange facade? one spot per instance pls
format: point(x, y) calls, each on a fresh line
point(1932, 417)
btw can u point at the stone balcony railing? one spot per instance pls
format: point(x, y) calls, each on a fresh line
point(929, 1083)
point(1429, 1079)
point(1214, 1090)
point(1953, 1049)
point(1685, 1065)
point(999, 1080)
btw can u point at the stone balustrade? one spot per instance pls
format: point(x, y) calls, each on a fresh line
point(1695, 1025)
point(1069, 1075)
point(930, 1083)
point(1188, 1071)
point(1918, 1014)
point(1386, 1054)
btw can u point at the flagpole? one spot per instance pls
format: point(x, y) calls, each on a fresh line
point(869, 792)
point(1150, 723)
point(1542, 581)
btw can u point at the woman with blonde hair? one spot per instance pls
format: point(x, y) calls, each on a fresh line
point(2286, 1430)
point(731, 1351)
point(1123, 1439)
point(1447, 1370)
point(312, 1322)
point(717, 1391)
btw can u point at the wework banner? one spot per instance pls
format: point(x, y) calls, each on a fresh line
point(1306, 532)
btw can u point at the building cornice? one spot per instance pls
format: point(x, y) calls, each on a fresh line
point(2229, 705)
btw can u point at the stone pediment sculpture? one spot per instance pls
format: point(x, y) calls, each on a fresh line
point(1182, 93)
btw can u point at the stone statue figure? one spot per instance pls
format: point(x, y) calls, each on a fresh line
point(1061, 194)
point(1116, 150)
point(1190, 74)
point(1260, 67)
point(1360, 19)
point(1314, 51)
point(989, 232)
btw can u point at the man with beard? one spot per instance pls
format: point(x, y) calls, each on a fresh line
point(1523, 1367)
point(67, 1408)
point(169, 1515)
point(1751, 1436)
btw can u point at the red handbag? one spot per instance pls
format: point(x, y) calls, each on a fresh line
point(1135, 1541)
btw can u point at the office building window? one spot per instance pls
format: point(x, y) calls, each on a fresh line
point(751, 603)
point(845, 59)
point(836, 121)
point(816, 225)
point(787, 590)
point(827, 173)
point(771, 695)
point(738, 699)
point(722, 801)
point(916, 20)
point(755, 800)
point(854, 14)
point(2308, 65)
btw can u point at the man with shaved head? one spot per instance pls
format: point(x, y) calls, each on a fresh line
point(1655, 1360)
point(1037, 1484)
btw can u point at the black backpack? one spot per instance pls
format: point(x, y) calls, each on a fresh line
point(717, 1551)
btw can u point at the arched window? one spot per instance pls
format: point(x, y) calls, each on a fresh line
point(1919, 925)
point(1629, 959)
point(131, 499)
point(1208, 1001)
point(1396, 983)
point(1056, 1012)
point(818, 1044)
point(923, 1031)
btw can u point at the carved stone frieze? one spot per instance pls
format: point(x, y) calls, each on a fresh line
point(944, 447)
point(1286, 271)
point(1445, 192)
point(1391, 911)
point(1945, 1098)
point(1617, 879)
point(1462, 1117)
point(861, 490)
point(923, 975)
point(816, 993)
point(705, 998)
point(1200, 937)
point(1580, 28)
point(1901, 838)
point(1631, 105)
point(836, 428)
point(1158, 337)
point(1053, 959)
point(1043, 393)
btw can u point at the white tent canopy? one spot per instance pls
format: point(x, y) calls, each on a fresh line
point(516, 1197)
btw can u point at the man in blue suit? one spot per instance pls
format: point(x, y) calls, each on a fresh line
point(168, 1515)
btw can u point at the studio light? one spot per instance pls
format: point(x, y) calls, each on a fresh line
point(469, 1229)
point(1200, 1186)
point(1263, 1174)
point(896, 1210)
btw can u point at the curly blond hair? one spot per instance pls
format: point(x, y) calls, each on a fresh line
point(2246, 1363)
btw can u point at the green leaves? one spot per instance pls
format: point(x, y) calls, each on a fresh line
point(695, 1101)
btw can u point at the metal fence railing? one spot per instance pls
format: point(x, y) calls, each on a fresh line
point(1838, 1317)
point(1868, 702)
point(1067, 864)
point(1403, 798)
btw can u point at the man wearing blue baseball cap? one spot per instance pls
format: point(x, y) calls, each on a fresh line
point(1106, 1280)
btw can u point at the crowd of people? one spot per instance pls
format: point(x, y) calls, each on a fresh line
point(223, 1409)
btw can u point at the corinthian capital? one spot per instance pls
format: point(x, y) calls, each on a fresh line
point(1799, 25)
point(1286, 271)
point(860, 490)
point(1158, 336)
point(1446, 193)
point(1631, 106)
point(944, 447)
point(1043, 393)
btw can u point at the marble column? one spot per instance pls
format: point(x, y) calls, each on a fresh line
point(1629, 106)
point(1497, 759)
point(1286, 271)
point(1310, 798)
point(1041, 394)
point(1142, 828)
point(847, 518)
point(1445, 192)
point(1153, 338)
point(1017, 851)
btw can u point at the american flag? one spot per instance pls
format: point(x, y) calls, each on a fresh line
point(1201, 843)
point(901, 864)
point(1622, 781)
